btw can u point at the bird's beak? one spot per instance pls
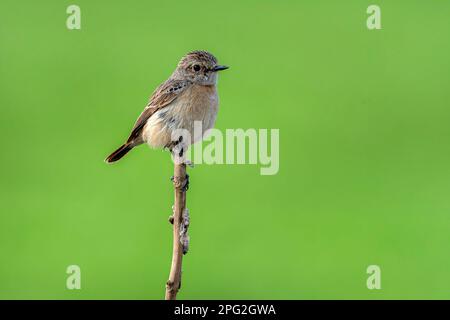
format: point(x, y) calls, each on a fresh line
point(219, 68)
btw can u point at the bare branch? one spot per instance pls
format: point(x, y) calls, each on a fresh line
point(180, 221)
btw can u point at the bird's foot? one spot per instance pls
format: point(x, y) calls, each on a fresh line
point(171, 146)
point(178, 150)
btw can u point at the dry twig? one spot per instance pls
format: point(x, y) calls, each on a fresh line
point(180, 221)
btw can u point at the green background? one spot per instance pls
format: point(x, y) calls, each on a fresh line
point(364, 150)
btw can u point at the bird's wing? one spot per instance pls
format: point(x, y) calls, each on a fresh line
point(165, 94)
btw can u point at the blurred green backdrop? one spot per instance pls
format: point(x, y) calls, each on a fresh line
point(364, 150)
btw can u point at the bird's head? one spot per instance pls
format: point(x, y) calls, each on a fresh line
point(200, 67)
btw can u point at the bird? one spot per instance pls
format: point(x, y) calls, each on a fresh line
point(188, 95)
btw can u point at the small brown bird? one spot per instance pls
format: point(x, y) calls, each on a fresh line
point(189, 95)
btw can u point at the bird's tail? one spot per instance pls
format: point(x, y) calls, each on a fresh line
point(119, 153)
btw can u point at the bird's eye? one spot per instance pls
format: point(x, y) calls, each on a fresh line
point(196, 67)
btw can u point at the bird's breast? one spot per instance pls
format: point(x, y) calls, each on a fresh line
point(199, 102)
point(196, 104)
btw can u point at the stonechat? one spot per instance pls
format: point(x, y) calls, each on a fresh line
point(189, 95)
